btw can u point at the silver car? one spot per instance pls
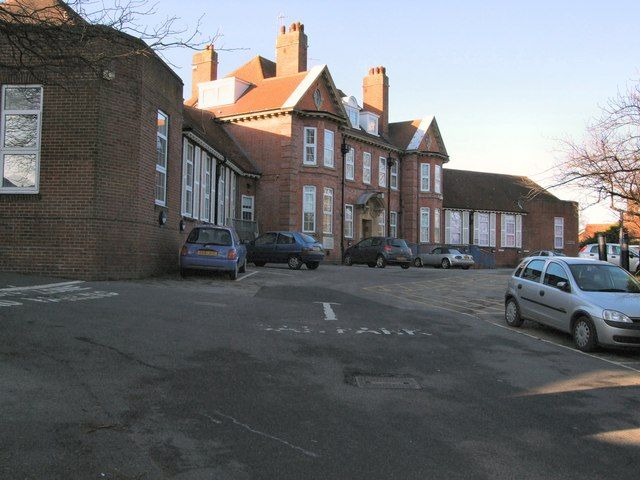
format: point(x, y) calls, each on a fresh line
point(596, 302)
point(613, 254)
point(444, 257)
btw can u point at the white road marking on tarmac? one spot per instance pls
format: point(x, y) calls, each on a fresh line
point(245, 276)
point(38, 287)
point(329, 314)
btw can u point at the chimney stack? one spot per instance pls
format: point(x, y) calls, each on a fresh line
point(291, 50)
point(204, 69)
point(375, 96)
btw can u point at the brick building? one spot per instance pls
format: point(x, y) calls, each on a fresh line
point(501, 218)
point(330, 167)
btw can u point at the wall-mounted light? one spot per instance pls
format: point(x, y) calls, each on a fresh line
point(162, 218)
point(183, 225)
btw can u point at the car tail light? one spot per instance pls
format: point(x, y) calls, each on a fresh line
point(232, 255)
point(584, 249)
point(387, 248)
point(184, 250)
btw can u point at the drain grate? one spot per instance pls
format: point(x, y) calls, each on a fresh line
point(368, 381)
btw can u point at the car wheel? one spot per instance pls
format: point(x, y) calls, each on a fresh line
point(348, 260)
point(294, 262)
point(445, 263)
point(371, 265)
point(405, 266)
point(585, 336)
point(512, 313)
point(381, 262)
point(243, 267)
point(312, 265)
point(418, 263)
point(233, 274)
point(259, 264)
point(466, 267)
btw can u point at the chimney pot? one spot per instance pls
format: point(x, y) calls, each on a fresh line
point(291, 50)
point(375, 95)
point(283, 30)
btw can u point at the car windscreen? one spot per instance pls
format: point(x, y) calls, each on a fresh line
point(307, 238)
point(211, 236)
point(398, 242)
point(453, 251)
point(603, 278)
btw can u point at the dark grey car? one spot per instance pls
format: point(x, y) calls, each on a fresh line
point(379, 252)
point(597, 302)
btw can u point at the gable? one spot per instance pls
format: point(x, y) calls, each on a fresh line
point(319, 80)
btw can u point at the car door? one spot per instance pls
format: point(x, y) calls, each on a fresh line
point(359, 249)
point(556, 297)
point(429, 259)
point(528, 290)
point(613, 254)
point(285, 246)
point(371, 253)
point(262, 246)
point(592, 252)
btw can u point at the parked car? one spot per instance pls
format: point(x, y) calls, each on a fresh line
point(613, 254)
point(546, 253)
point(596, 302)
point(293, 248)
point(379, 252)
point(213, 248)
point(444, 257)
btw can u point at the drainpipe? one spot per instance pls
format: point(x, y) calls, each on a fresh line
point(344, 149)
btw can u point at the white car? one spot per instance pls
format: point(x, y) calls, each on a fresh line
point(613, 254)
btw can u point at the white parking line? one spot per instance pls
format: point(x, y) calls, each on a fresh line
point(245, 276)
point(329, 314)
point(38, 287)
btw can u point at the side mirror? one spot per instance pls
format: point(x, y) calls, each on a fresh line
point(564, 286)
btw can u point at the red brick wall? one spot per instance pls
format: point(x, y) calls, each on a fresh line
point(94, 216)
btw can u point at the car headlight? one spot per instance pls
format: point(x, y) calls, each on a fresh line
point(614, 316)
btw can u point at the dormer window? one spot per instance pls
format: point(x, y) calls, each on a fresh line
point(225, 91)
point(353, 111)
point(369, 122)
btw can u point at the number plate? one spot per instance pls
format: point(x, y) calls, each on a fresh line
point(208, 253)
point(402, 259)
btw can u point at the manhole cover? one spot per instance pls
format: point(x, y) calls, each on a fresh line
point(367, 381)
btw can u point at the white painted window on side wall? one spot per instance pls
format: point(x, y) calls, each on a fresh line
point(248, 213)
point(366, 167)
point(162, 135)
point(425, 177)
point(327, 211)
point(394, 175)
point(558, 233)
point(350, 164)
point(348, 221)
point(425, 223)
point(20, 132)
point(310, 146)
point(309, 209)
point(328, 149)
point(382, 172)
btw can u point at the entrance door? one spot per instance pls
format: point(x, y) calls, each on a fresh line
point(366, 228)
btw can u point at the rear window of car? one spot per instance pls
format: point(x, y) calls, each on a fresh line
point(398, 242)
point(212, 236)
point(453, 251)
point(307, 238)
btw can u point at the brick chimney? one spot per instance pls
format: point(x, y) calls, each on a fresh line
point(204, 69)
point(291, 50)
point(375, 96)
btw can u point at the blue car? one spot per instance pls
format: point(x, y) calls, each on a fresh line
point(292, 248)
point(213, 248)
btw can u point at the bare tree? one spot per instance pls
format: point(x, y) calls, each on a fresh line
point(46, 38)
point(607, 161)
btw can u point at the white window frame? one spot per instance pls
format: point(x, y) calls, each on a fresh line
point(206, 183)
point(327, 211)
point(516, 221)
point(437, 188)
point(311, 191)
point(479, 219)
point(463, 231)
point(197, 172)
point(162, 169)
point(382, 223)
point(393, 224)
point(329, 141)
point(248, 209)
point(558, 240)
point(21, 150)
point(350, 162)
point(394, 176)
point(188, 154)
point(436, 225)
point(313, 146)
point(348, 221)
point(366, 168)
point(221, 196)
point(425, 180)
point(425, 224)
point(382, 172)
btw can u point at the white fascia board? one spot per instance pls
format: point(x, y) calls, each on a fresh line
point(303, 86)
point(425, 123)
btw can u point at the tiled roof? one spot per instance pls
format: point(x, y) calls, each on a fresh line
point(401, 133)
point(469, 190)
point(43, 10)
point(255, 70)
point(263, 95)
point(203, 124)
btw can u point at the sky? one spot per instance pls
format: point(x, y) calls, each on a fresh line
point(507, 81)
